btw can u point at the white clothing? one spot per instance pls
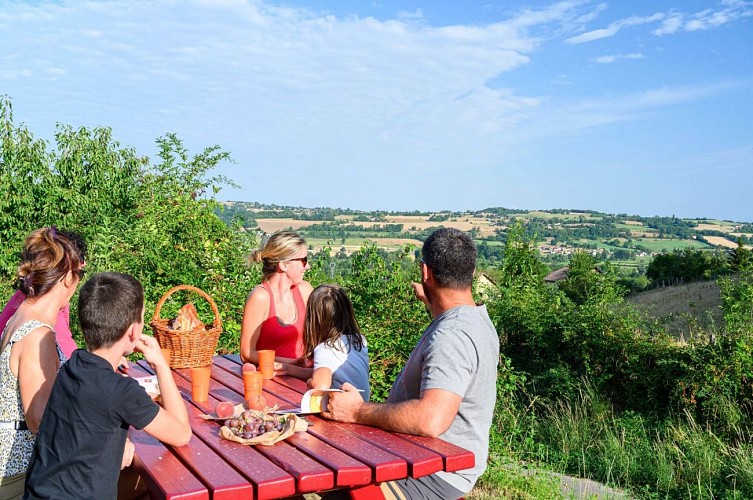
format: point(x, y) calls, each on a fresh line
point(346, 363)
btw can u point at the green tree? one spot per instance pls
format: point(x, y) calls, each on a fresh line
point(585, 281)
point(389, 315)
point(741, 257)
point(157, 222)
point(521, 259)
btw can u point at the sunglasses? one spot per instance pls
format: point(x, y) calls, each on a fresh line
point(304, 260)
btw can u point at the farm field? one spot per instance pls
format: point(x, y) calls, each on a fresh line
point(668, 245)
point(417, 223)
point(719, 241)
point(273, 225)
point(353, 244)
point(348, 229)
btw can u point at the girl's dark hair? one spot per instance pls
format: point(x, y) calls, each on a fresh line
point(329, 315)
point(47, 257)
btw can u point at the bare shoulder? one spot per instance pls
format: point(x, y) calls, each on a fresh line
point(259, 296)
point(37, 334)
point(306, 290)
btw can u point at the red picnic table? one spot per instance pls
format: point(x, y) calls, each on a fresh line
point(327, 456)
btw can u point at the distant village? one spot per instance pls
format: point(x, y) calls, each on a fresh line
point(560, 250)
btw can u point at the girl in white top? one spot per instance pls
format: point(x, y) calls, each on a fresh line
point(332, 337)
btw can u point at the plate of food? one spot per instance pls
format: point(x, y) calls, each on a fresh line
point(252, 427)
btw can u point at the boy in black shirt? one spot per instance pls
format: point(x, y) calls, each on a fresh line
point(82, 436)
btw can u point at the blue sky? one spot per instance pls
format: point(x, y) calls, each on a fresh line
point(639, 107)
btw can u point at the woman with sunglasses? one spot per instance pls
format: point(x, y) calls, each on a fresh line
point(50, 270)
point(275, 310)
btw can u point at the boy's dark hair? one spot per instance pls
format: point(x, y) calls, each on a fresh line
point(451, 255)
point(108, 304)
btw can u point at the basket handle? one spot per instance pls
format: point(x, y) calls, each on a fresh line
point(217, 320)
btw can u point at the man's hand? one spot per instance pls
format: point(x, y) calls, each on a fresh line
point(128, 452)
point(344, 406)
point(418, 290)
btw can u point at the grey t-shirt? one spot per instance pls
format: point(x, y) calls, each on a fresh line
point(458, 352)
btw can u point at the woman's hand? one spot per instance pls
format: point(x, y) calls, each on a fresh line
point(304, 362)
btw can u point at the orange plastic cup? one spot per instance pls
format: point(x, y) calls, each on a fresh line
point(252, 384)
point(200, 383)
point(267, 363)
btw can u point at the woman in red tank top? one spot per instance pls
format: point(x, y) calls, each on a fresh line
point(275, 310)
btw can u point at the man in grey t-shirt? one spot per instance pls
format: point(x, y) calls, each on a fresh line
point(447, 388)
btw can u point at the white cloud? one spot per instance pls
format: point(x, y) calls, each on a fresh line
point(592, 35)
point(14, 74)
point(670, 25)
point(673, 21)
point(555, 119)
point(616, 57)
point(707, 19)
point(416, 14)
point(290, 85)
point(614, 28)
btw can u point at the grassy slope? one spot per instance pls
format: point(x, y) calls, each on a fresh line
point(684, 307)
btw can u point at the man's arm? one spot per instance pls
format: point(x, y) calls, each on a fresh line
point(429, 415)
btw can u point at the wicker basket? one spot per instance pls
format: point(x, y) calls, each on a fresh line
point(188, 348)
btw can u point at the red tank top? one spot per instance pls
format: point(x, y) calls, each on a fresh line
point(285, 339)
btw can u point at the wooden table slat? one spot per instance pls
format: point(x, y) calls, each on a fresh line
point(230, 364)
point(348, 471)
point(309, 474)
point(385, 465)
point(455, 458)
point(384, 461)
point(223, 481)
point(269, 480)
point(166, 476)
point(421, 461)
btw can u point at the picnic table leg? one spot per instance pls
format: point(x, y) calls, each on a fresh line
point(370, 492)
point(131, 486)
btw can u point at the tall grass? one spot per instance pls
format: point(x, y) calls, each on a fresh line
point(673, 458)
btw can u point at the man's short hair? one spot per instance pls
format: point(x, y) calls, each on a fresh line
point(451, 255)
point(108, 304)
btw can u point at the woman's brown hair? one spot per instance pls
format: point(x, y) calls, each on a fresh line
point(329, 315)
point(47, 257)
